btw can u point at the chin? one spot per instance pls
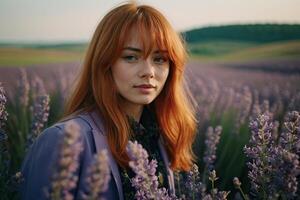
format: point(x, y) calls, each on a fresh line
point(144, 101)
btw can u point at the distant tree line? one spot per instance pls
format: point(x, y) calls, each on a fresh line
point(260, 33)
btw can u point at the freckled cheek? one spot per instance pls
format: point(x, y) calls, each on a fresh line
point(122, 75)
point(163, 75)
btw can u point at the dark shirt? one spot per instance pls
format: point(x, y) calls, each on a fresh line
point(145, 132)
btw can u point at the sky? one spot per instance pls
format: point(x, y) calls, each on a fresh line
point(75, 20)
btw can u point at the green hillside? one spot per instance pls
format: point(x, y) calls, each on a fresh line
point(14, 56)
point(239, 51)
point(259, 33)
point(218, 43)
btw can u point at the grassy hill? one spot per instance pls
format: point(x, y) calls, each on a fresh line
point(217, 44)
point(243, 51)
point(30, 54)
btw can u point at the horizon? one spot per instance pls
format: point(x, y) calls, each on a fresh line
point(66, 42)
point(64, 21)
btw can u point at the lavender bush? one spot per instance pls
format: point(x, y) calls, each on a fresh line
point(274, 166)
point(228, 98)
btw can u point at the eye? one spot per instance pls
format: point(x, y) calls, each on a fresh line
point(130, 58)
point(159, 59)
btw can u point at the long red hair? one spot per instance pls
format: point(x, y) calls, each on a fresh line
point(96, 89)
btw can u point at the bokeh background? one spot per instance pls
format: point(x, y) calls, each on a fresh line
point(244, 59)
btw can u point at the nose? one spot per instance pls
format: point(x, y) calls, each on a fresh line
point(147, 69)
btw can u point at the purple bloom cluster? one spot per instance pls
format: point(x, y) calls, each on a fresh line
point(212, 139)
point(242, 104)
point(194, 185)
point(3, 113)
point(23, 88)
point(261, 151)
point(37, 87)
point(4, 154)
point(290, 138)
point(99, 176)
point(274, 168)
point(287, 163)
point(145, 182)
point(40, 117)
point(196, 190)
point(64, 180)
point(215, 194)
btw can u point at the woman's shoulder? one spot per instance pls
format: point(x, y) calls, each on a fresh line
point(44, 153)
point(82, 123)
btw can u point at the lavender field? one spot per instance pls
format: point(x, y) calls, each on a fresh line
point(248, 139)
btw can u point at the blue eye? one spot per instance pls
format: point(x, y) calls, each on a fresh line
point(130, 58)
point(160, 60)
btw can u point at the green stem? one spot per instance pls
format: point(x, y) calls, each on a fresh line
point(243, 194)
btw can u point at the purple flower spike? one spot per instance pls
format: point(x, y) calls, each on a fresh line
point(99, 175)
point(64, 180)
point(287, 165)
point(211, 142)
point(194, 185)
point(290, 138)
point(3, 113)
point(145, 182)
point(23, 88)
point(40, 117)
point(261, 151)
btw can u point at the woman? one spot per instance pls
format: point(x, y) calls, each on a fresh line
point(130, 88)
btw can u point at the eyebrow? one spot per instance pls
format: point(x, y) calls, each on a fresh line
point(140, 50)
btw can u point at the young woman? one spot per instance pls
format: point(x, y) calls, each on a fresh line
point(131, 88)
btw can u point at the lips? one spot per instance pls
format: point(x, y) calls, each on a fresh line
point(144, 86)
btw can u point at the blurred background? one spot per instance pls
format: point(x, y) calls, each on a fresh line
point(244, 59)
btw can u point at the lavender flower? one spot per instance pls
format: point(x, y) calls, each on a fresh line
point(290, 138)
point(256, 111)
point(3, 113)
point(261, 151)
point(195, 188)
point(40, 117)
point(99, 175)
point(211, 142)
point(287, 167)
point(23, 88)
point(237, 184)
point(64, 180)
point(245, 107)
point(286, 171)
point(145, 181)
point(4, 154)
point(37, 87)
point(215, 194)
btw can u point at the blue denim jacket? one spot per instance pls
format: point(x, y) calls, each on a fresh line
point(38, 165)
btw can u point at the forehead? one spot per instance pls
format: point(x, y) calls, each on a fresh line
point(145, 40)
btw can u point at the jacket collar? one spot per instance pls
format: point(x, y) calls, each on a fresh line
point(96, 120)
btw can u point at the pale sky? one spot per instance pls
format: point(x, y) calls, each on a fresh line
point(75, 20)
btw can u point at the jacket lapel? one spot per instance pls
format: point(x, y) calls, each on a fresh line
point(167, 164)
point(101, 143)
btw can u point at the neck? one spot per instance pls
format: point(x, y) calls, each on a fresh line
point(134, 111)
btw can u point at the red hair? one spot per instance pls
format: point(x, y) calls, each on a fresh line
point(96, 88)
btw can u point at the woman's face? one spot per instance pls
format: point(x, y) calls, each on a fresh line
point(139, 80)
